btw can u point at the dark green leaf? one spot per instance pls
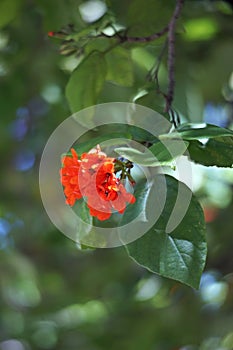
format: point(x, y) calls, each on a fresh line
point(86, 146)
point(168, 150)
point(153, 100)
point(119, 66)
point(86, 82)
point(195, 131)
point(218, 151)
point(180, 254)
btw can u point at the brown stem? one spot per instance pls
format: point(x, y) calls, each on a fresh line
point(171, 54)
point(144, 39)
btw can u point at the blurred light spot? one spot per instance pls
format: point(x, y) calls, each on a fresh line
point(212, 343)
point(74, 315)
point(213, 292)
point(208, 278)
point(231, 81)
point(3, 69)
point(219, 193)
point(11, 344)
point(227, 342)
point(51, 93)
point(215, 183)
point(210, 213)
point(148, 288)
point(197, 180)
point(22, 112)
point(188, 347)
point(18, 129)
point(24, 160)
point(4, 227)
point(92, 10)
point(200, 29)
point(216, 115)
point(3, 40)
point(38, 106)
point(23, 293)
point(69, 63)
point(45, 336)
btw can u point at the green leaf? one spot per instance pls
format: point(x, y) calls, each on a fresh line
point(58, 15)
point(169, 149)
point(119, 66)
point(88, 145)
point(8, 11)
point(84, 225)
point(153, 100)
point(146, 19)
point(157, 155)
point(195, 131)
point(141, 135)
point(86, 82)
point(142, 158)
point(180, 254)
point(217, 151)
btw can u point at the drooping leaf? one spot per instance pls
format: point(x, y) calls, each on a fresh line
point(217, 151)
point(86, 82)
point(179, 254)
point(119, 66)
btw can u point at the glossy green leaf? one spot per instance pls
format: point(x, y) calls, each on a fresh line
point(86, 82)
point(119, 66)
point(157, 155)
point(217, 151)
point(142, 158)
point(169, 149)
point(203, 131)
point(180, 254)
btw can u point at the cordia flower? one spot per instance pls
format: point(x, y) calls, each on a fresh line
point(93, 177)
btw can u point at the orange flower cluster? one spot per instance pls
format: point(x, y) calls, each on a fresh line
point(93, 177)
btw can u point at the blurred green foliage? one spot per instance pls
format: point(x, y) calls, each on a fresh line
point(54, 296)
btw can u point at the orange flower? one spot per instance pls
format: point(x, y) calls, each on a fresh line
point(93, 177)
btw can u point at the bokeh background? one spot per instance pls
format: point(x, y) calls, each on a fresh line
point(52, 294)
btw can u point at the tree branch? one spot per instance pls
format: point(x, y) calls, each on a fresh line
point(144, 39)
point(171, 54)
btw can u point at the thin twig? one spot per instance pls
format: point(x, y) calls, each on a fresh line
point(134, 39)
point(153, 74)
point(171, 54)
point(144, 39)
